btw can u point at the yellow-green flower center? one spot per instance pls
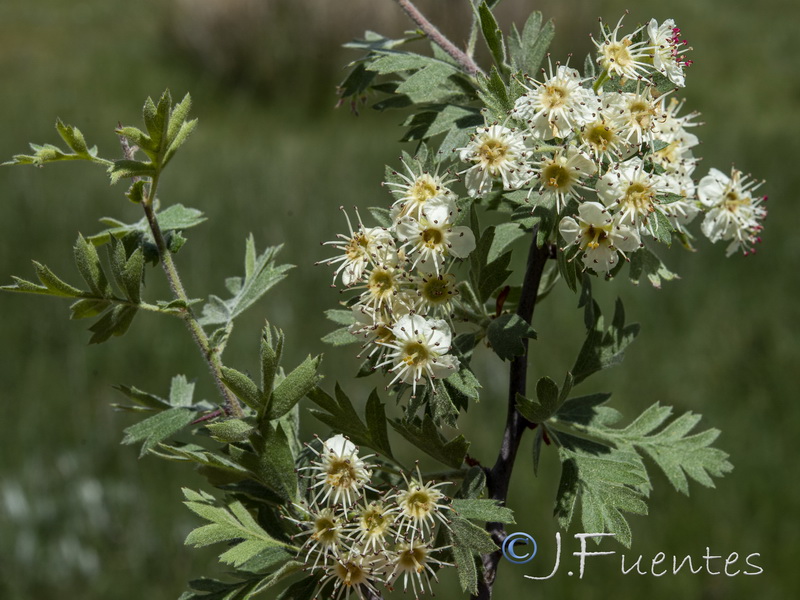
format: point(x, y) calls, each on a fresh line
point(493, 152)
point(556, 176)
point(432, 237)
point(639, 197)
point(415, 353)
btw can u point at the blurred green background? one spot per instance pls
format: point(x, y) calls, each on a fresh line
point(81, 517)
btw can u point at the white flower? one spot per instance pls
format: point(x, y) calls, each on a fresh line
point(623, 57)
point(419, 351)
point(599, 236)
point(557, 107)
point(559, 176)
point(373, 526)
point(433, 238)
point(340, 472)
point(733, 214)
point(602, 136)
point(435, 293)
point(413, 561)
point(633, 193)
point(362, 246)
point(666, 44)
point(496, 152)
point(418, 190)
point(635, 114)
point(418, 507)
point(356, 571)
point(383, 285)
point(324, 531)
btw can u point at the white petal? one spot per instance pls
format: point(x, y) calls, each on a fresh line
point(462, 241)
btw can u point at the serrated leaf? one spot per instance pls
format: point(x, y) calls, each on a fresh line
point(54, 285)
point(506, 334)
point(91, 270)
point(606, 486)
point(341, 337)
point(294, 387)
point(426, 437)
point(604, 346)
point(272, 461)
point(505, 234)
point(74, 139)
point(430, 84)
point(645, 263)
point(492, 34)
point(157, 428)
point(340, 415)
point(174, 218)
point(264, 275)
point(244, 387)
point(113, 323)
point(468, 535)
point(231, 523)
point(485, 510)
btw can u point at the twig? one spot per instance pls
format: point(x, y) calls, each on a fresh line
point(436, 36)
point(231, 406)
point(499, 476)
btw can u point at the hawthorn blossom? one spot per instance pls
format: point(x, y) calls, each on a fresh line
point(733, 213)
point(557, 107)
point(433, 237)
point(496, 153)
point(560, 176)
point(363, 246)
point(666, 44)
point(632, 192)
point(623, 57)
point(418, 190)
point(599, 235)
point(419, 351)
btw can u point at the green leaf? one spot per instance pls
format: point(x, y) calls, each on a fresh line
point(113, 323)
point(90, 268)
point(174, 218)
point(341, 337)
point(74, 139)
point(340, 415)
point(606, 486)
point(300, 590)
point(272, 461)
point(230, 431)
point(604, 346)
point(262, 276)
point(271, 351)
point(294, 387)
point(490, 511)
point(492, 35)
point(494, 94)
point(505, 334)
point(468, 535)
point(528, 50)
point(645, 263)
point(662, 229)
point(53, 284)
point(467, 571)
point(232, 523)
point(157, 428)
point(244, 388)
point(548, 400)
point(670, 446)
point(505, 234)
point(426, 437)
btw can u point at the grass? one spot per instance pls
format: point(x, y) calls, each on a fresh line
point(82, 517)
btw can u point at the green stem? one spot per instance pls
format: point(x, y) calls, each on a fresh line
point(232, 406)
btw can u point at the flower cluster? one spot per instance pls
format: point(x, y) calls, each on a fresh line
point(407, 294)
point(612, 154)
point(359, 540)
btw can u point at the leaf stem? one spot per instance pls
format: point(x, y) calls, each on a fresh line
point(499, 476)
point(232, 406)
point(436, 36)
